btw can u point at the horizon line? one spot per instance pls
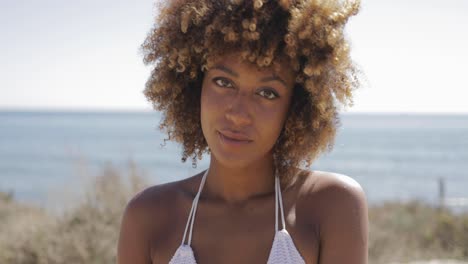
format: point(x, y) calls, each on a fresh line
point(148, 110)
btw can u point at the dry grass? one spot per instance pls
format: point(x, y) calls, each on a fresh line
point(88, 232)
point(402, 233)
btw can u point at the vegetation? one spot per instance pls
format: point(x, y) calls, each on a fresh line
point(88, 232)
point(414, 230)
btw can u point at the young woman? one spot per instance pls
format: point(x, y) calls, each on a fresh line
point(257, 85)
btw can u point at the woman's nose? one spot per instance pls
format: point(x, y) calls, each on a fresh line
point(238, 110)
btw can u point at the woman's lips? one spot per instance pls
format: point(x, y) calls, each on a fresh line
point(232, 141)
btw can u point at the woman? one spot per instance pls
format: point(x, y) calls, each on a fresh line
point(257, 85)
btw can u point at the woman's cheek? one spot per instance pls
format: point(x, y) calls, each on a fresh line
point(273, 117)
point(214, 99)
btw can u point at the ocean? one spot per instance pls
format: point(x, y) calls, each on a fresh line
point(44, 155)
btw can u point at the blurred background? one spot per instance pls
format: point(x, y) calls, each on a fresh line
point(78, 138)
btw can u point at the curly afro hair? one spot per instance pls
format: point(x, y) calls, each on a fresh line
point(189, 34)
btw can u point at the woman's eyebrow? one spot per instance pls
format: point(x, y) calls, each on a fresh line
point(235, 74)
point(226, 69)
point(274, 78)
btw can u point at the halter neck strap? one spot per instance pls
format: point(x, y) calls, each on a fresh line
point(278, 199)
point(193, 211)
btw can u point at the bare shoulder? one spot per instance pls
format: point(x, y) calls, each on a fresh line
point(335, 189)
point(151, 199)
point(327, 198)
point(156, 203)
point(147, 211)
point(338, 205)
point(136, 227)
point(146, 216)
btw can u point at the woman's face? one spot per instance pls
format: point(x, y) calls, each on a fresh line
point(243, 109)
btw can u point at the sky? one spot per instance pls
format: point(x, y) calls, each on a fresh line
point(84, 55)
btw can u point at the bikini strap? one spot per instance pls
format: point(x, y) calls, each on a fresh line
point(278, 199)
point(193, 211)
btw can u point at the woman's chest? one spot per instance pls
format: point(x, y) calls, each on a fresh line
point(236, 236)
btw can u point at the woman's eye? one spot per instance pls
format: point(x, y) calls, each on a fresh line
point(223, 82)
point(268, 94)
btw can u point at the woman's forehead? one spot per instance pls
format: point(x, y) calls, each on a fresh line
point(232, 61)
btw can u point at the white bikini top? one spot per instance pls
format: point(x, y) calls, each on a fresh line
point(283, 250)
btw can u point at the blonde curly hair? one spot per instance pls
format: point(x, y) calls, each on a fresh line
point(188, 34)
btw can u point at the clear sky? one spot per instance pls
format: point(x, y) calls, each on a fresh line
point(85, 54)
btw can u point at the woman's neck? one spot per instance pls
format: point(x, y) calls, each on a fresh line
point(236, 186)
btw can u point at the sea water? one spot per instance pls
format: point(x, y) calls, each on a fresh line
point(392, 156)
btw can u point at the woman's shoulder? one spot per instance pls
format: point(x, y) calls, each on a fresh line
point(155, 205)
point(146, 216)
point(329, 194)
point(336, 206)
point(323, 183)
